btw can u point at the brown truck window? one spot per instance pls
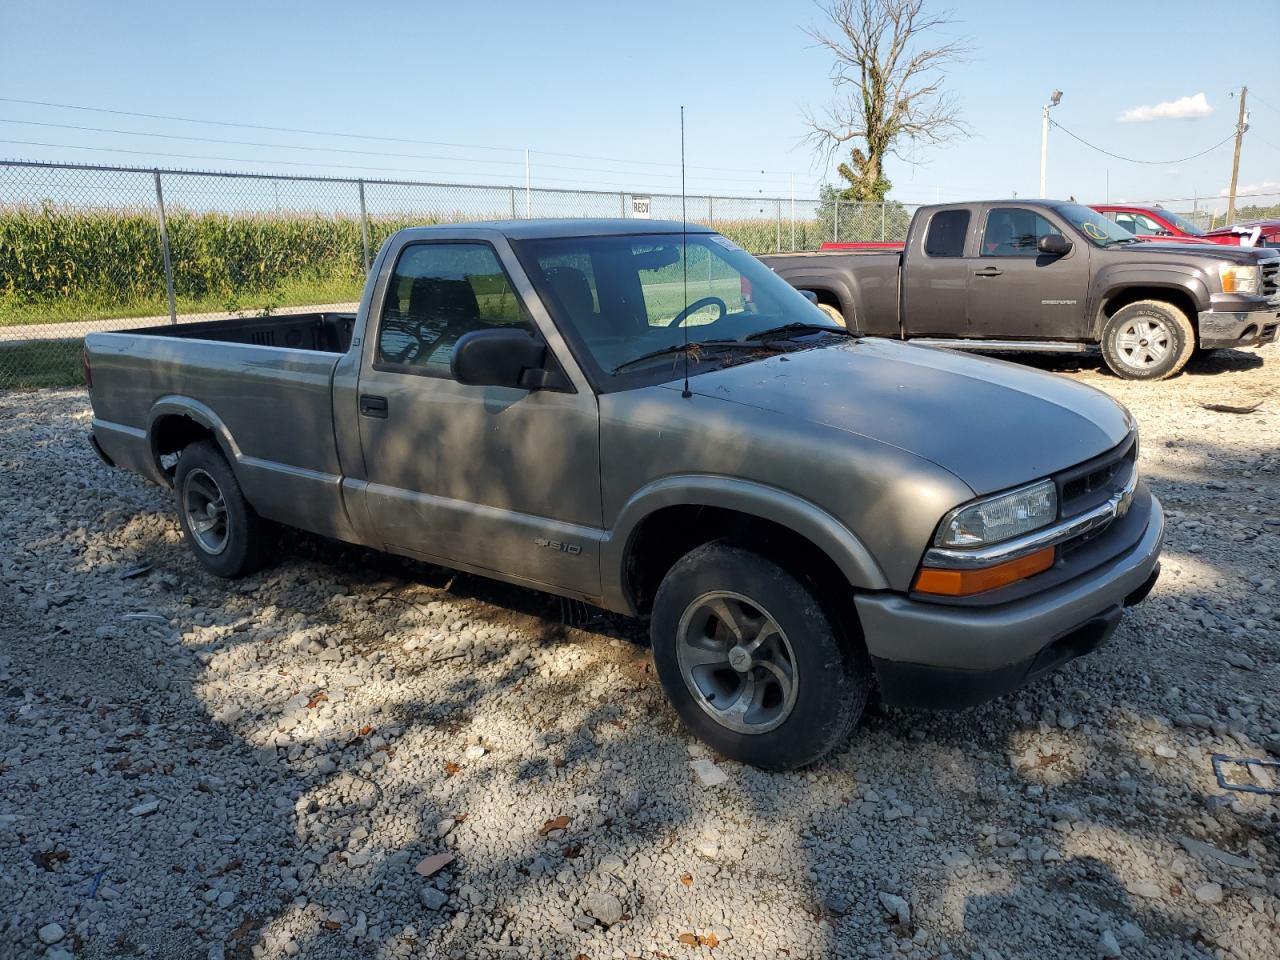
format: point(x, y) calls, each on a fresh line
point(438, 292)
point(946, 234)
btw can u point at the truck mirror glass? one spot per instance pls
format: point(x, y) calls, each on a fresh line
point(1054, 244)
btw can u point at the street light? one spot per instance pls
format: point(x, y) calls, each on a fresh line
point(1054, 99)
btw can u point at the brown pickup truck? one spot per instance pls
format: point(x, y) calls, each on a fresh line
point(1043, 275)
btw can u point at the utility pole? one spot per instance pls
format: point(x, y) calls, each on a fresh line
point(1235, 161)
point(1054, 100)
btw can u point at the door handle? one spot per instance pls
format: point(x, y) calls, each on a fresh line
point(987, 272)
point(373, 406)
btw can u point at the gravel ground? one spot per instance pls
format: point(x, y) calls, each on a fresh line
point(195, 769)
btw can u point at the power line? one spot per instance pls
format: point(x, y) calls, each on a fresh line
point(384, 139)
point(335, 166)
point(343, 150)
point(1153, 163)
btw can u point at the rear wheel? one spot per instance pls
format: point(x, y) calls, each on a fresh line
point(1148, 340)
point(220, 527)
point(751, 660)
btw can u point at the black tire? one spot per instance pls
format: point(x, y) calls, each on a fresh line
point(832, 674)
point(832, 312)
point(1148, 340)
point(241, 549)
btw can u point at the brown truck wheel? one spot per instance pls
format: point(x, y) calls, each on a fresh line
point(1148, 340)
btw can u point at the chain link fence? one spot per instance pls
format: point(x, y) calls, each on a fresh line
point(86, 247)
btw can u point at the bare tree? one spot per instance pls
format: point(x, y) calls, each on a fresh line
point(888, 87)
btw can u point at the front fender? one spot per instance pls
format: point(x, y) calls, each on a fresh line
point(744, 496)
point(1111, 281)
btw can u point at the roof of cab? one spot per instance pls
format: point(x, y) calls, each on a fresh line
point(568, 227)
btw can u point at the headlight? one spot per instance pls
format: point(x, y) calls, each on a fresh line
point(1238, 279)
point(999, 518)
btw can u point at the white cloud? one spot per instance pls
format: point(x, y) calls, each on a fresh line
point(1184, 108)
point(1266, 186)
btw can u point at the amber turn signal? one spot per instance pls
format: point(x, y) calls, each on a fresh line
point(963, 583)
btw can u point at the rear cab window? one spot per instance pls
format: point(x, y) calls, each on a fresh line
point(947, 230)
point(438, 292)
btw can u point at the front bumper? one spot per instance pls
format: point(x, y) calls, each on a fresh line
point(941, 656)
point(1238, 321)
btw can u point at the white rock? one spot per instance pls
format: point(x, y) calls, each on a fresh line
point(51, 933)
point(1107, 945)
point(604, 907)
point(708, 774)
point(1210, 893)
point(145, 809)
point(474, 752)
point(896, 906)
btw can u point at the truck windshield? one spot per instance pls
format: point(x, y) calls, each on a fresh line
point(623, 299)
point(1097, 229)
point(1181, 222)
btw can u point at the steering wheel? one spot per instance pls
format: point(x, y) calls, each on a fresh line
point(698, 305)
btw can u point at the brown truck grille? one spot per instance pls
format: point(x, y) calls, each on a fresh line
point(1270, 277)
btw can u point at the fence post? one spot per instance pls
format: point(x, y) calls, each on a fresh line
point(836, 234)
point(882, 206)
point(777, 246)
point(711, 212)
point(164, 249)
point(364, 226)
point(622, 204)
point(513, 203)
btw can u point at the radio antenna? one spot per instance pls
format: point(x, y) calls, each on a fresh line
point(684, 259)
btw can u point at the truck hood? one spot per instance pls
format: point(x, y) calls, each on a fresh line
point(992, 424)
point(1180, 252)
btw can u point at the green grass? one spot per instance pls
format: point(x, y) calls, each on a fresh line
point(41, 363)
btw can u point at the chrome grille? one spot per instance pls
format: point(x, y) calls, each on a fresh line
point(1270, 277)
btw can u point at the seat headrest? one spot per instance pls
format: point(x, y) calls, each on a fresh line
point(573, 290)
point(432, 298)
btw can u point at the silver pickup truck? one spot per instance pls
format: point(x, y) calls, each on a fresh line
point(652, 421)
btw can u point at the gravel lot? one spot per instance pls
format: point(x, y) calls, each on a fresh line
point(195, 769)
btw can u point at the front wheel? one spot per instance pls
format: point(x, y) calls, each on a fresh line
point(222, 529)
point(1148, 340)
point(752, 662)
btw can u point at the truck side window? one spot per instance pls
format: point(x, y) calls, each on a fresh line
point(1014, 232)
point(438, 292)
point(946, 234)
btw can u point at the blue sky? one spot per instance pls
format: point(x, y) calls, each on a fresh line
point(604, 81)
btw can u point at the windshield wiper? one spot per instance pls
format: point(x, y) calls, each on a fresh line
point(1125, 240)
point(693, 347)
point(789, 330)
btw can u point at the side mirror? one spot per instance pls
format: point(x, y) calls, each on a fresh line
point(504, 357)
point(810, 296)
point(1054, 244)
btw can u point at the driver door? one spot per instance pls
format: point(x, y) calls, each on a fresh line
point(500, 480)
point(1017, 293)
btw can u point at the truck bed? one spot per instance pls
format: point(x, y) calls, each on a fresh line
point(325, 332)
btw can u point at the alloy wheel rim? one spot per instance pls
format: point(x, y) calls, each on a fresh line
point(1144, 342)
point(737, 662)
point(206, 510)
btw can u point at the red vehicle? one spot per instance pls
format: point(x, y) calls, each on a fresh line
point(1248, 233)
point(1155, 223)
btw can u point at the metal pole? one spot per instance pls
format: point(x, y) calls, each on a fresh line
point(513, 203)
point(364, 225)
point(778, 240)
point(711, 211)
point(622, 204)
point(1044, 145)
point(528, 195)
point(882, 206)
point(1235, 160)
point(836, 234)
point(793, 213)
point(164, 249)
